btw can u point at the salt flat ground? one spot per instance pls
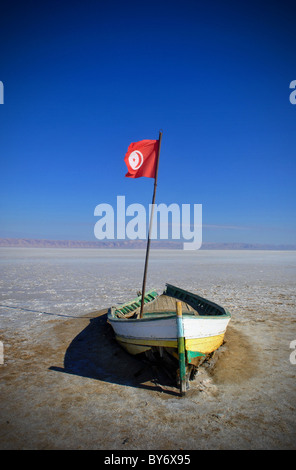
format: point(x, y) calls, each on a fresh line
point(66, 384)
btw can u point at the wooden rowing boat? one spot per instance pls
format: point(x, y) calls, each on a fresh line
point(204, 324)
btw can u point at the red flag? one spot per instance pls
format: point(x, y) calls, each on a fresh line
point(141, 159)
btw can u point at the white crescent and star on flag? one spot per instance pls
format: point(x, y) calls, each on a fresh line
point(136, 159)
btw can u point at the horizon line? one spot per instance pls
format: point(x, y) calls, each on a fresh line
point(24, 242)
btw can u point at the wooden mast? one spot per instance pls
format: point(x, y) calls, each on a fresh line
point(150, 226)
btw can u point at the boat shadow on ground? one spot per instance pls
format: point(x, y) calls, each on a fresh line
point(94, 353)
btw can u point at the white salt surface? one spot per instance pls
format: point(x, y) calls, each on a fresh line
point(73, 281)
point(253, 403)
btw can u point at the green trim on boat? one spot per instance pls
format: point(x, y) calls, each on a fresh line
point(192, 355)
point(131, 306)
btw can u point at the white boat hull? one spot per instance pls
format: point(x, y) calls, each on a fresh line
point(166, 328)
point(204, 323)
point(201, 334)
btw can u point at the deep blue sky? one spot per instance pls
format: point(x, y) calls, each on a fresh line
point(84, 79)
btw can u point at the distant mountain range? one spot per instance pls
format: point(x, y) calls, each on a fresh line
point(134, 244)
